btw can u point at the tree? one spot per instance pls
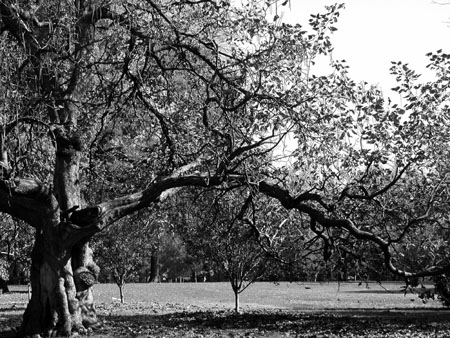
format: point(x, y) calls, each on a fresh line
point(371, 178)
point(122, 251)
point(214, 231)
point(74, 71)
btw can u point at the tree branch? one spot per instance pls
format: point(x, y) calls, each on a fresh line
point(28, 200)
point(318, 216)
point(371, 196)
point(104, 214)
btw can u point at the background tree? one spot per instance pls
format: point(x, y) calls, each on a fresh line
point(123, 251)
point(16, 241)
point(175, 262)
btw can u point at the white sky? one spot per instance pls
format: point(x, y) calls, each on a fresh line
point(372, 33)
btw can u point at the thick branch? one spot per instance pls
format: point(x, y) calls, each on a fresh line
point(28, 200)
point(113, 210)
point(320, 217)
point(106, 213)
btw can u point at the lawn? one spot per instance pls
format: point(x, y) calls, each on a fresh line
point(269, 310)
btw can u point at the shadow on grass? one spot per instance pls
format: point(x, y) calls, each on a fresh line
point(9, 323)
point(265, 323)
point(13, 308)
point(343, 320)
point(366, 291)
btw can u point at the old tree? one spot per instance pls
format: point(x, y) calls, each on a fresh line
point(108, 107)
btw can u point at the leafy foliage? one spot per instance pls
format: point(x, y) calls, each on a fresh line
point(123, 252)
point(4, 269)
point(16, 241)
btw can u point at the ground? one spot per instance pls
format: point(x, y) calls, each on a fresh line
point(269, 310)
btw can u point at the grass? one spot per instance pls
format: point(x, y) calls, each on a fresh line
point(270, 310)
point(292, 296)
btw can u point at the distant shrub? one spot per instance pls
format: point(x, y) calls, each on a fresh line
point(442, 289)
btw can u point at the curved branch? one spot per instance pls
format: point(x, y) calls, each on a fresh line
point(320, 217)
point(104, 214)
point(371, 196)
point(118, 208)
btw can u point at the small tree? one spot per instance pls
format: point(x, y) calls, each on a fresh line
point(214, 231)
point(242, 260)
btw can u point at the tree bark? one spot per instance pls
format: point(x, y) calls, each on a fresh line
point(52, 307)
point(87, 270)
point(62, 270)
point(154, 268)
point(4, 285)
point(237, 307)
point(122, 298)
point(194, 274)
point(61, 301)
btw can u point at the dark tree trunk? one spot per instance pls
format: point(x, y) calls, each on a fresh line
point(194, 274)
point(61, 300)
point(52, 305)
point(62, 270)
point(154, 268)
point(4, 285)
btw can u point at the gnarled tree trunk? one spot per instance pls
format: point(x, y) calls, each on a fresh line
point(62, 271)
point(61, 298)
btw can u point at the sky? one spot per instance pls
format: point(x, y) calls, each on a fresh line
point(372, 33)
